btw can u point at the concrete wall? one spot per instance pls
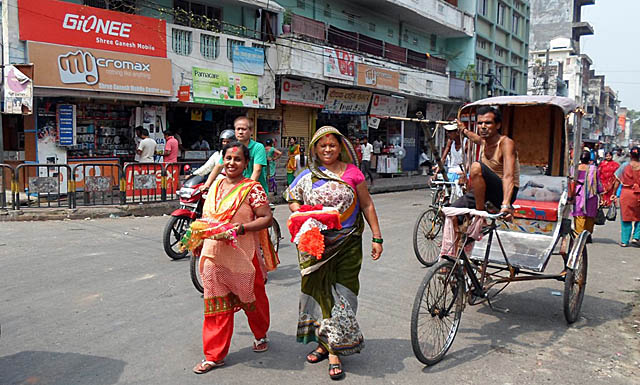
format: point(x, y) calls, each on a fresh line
point(550, 19)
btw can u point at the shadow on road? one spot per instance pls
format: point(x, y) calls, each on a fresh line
point(285, 275)
point(53, 368)
point(608, 241)
point(531, 312)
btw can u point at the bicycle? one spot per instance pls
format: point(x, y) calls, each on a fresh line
point(427, 231)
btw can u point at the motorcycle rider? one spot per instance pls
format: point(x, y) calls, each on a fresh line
point(226, 136)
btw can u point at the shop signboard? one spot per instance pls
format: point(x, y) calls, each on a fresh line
point(302, 93)
point(184, 93)
point(344, 101)
point(376, 77)
point(66, 67)
point(338, 64)
point(224, 88)
point(99, 168)
point(60, 22)
point(66, 124)
point(248, 60)
point(384, 105)
point(18, 90)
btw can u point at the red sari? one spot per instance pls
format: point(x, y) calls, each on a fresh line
point(607, 170)
point(630, 195)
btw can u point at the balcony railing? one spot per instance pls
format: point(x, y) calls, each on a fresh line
point(318, 31)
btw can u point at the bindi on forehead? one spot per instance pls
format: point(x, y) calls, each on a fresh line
point(234, 149)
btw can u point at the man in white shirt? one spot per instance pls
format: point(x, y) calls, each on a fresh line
point(147, 148)
point(201, 144)
point(377, 146)
point(367, 150)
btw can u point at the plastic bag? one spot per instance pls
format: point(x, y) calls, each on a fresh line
point(601, 219)
point(612, 213)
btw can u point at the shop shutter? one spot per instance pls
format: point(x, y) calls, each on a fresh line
point(296, 122)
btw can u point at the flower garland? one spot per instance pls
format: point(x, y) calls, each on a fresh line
point(202, 229)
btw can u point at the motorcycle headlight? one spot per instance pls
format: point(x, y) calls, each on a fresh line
point(186, 192)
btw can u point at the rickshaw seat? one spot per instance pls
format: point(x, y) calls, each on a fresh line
point(539, 197)
point(530, 209)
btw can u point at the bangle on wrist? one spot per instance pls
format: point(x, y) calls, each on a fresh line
point(377, 240)
point(240, 230)
point(510, 207)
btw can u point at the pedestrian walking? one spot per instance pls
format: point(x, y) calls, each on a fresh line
point(273, 154)
point(628, 175)
point(607, 170)
point(330, 284)
point(292, 151)
point(588, 189)
point(367, 149)
point(231, 273)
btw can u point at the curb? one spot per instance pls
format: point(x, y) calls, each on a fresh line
point(141, 210)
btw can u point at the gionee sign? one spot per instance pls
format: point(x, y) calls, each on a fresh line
point(52, 21)
point(61, 66)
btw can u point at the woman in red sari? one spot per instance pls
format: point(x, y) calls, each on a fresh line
point(629, 176)
point(607, 170)
point(232, 275)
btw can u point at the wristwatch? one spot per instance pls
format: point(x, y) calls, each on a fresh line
point(509, 206)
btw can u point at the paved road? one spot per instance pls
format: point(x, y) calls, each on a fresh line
point(96, 302)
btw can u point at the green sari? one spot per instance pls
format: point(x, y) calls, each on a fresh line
point(330, 285)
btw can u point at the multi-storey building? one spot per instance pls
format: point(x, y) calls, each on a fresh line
point(358, 65)
point(501, 47)
point(551, 19)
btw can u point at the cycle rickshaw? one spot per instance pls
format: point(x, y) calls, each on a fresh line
point(514, 251)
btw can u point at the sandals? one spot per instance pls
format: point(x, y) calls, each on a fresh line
point(318, 356)
point(336, 376)
point(623, 244)
point(635, 242)
point(261, 345)
point(207, 366)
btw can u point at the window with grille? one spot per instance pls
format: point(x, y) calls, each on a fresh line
point(402, 78)
point(197, 15)
point(209, 46)
point(429, 85)
point(514, 80)
point(261, 46)
point(515, 24)
point(482, 44)
point(500, 15)
point(231, 44)
point(482, 7)
point(126, 6)
point(181, 41)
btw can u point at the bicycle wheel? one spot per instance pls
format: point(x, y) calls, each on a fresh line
point(575, 283)
point(275, 235)
point(436, 313)
point(196, 279)
point(427, 236)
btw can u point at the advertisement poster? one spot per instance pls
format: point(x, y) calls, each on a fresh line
point(350, 102)
point(154, 119)
point(248, 60)
point(66, 124)
point(338, 64)
point(302, 93)
point(369, 76)
point(144, 180)
point(224, 88)
point(18, 90)
point(384, 105)
point(60, 22)
point(63, 66)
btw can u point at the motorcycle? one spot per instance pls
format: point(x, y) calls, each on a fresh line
point(191, 203)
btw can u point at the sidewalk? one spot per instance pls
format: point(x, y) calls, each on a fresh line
point(380, 185)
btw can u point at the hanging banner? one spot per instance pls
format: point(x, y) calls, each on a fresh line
point(375, 77)
point(18, 89)
point(60, 22)
point(224, 88)
point(384, 105)
point(62, 66)
point(66, 115)
point(302, 93)
point(343, 101)
point(248, 60)
point(338, 64)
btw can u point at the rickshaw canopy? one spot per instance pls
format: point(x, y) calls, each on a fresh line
point(567, 105)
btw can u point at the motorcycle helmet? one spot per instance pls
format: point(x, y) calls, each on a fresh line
point(227, 134)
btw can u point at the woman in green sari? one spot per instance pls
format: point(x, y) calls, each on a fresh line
point(330, 285)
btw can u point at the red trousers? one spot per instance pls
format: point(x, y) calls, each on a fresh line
point(218, 329)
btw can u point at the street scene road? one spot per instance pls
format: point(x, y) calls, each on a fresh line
point(97, 302)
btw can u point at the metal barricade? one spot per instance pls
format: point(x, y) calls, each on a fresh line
point(175, 175)
point(7, 184)
point(45, 185)
point(143, 182)
point(97, 184)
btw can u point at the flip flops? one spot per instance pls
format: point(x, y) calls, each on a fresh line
point(261, 345)
point(317, 355)
point(336, 376)
point(207, 366)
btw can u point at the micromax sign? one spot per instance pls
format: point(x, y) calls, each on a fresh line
point(56, 22)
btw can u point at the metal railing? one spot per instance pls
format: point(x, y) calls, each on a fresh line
point(7, 179)
point(47, 184)
point(97, 184)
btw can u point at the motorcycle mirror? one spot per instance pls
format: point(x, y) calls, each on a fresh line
point(187, 169)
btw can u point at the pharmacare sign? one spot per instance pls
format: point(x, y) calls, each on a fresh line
point(59, 22)
point(61, 66)
point(225, 88)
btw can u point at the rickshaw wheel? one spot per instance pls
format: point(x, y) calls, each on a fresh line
point(574, 286)
point(436, 312)
point(427, 237)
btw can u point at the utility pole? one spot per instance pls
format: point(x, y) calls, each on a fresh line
point(5, 61)
point(545, 75)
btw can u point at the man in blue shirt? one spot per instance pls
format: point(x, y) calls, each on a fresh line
point(257, 167)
